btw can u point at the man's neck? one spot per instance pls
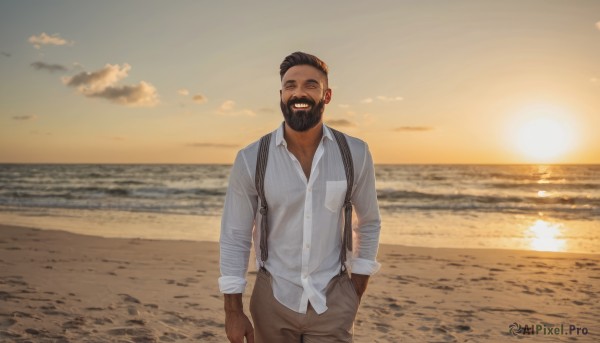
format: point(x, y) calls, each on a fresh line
point(305, 141)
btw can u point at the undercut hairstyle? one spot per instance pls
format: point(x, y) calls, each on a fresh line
point(302, 58)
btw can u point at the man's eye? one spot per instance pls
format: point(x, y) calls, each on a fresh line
point(311, 86)
point(289, 87)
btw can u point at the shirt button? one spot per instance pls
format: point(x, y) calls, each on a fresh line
point(307, 246)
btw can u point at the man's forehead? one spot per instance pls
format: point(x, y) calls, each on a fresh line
point(303, 72)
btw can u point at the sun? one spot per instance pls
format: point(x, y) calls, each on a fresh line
point(543, 134)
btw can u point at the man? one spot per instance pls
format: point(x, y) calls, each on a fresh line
point(302, 292)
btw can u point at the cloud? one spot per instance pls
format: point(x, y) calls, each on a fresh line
point(183, 91)
point(26, 117)
point(344, 105)
point(382, 98)
point(340, 123)
point(78, 66)
point(199, 98)
point(5, 54)
point(97, 81)
point(413, 128)
point(266, 110)
point(228, 105)
point(49, 67)
point(45, 39)
point(36, 132)
point(142, 94)
point(103, 84)
point(388, 98)
point(212, 145)
point(228, 108)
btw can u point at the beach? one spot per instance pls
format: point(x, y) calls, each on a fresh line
point(57, 286)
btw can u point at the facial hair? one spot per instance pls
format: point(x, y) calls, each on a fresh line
point(302, 120)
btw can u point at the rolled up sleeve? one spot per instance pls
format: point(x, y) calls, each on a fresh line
point(236, 227)
point(368, 227)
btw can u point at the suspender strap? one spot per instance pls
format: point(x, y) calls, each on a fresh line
point(259, 181)
point(349, 169)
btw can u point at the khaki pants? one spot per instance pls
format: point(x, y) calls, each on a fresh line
point(275, 323)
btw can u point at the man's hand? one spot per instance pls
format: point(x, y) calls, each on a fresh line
point(237, 324)
point(360, 283)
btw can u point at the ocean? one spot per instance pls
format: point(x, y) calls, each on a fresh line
point(531, 207)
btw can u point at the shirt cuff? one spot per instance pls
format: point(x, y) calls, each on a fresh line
point(232, 284)
point(363, 266)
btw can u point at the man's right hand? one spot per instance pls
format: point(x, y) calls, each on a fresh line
point(237, 324)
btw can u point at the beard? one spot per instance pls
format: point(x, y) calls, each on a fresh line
point(302, 120)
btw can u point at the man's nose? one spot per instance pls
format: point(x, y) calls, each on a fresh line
point(299, 92)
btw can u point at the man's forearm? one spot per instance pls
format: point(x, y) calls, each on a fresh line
point(233, 303)
point(360, 283)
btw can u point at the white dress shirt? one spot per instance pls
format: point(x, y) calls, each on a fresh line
point(305, 220)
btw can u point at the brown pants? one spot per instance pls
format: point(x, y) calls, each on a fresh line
point(275, 323)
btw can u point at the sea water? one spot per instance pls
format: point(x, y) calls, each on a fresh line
point(537, 207)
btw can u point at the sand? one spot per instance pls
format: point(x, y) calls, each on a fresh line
point(61, 287)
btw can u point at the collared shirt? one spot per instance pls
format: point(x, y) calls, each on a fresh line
point(305, 220)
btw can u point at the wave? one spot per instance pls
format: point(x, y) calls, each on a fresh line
point(546, 186)
point(417, 197)
point(569, 190)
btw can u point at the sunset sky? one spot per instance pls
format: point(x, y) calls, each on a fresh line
point(194, 82)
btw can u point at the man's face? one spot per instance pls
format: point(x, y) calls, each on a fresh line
point(304, 93)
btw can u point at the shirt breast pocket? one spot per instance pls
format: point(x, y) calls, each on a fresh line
point(335, 192)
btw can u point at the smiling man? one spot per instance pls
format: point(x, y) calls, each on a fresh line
point(293, 193)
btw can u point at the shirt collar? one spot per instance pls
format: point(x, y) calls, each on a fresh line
point(279, 140)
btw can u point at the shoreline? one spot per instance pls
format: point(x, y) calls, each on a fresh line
point(65, 287)
point(381, 245)
point(519, 233)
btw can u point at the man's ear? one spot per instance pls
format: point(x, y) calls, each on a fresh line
point(327, 95)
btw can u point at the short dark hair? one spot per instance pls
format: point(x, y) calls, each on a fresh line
point(300, 58)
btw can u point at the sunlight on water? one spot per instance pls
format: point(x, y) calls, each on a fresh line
point(544, 236)
point(542, 194)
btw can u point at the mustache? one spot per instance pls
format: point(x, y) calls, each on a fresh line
point(293, 101)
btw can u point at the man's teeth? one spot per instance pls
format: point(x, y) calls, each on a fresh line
point(301, 105)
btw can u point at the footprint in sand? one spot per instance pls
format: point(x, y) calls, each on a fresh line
point(173, 337)
point(204, 335)
point(75, 323)
point(9, 334)
point(137, 334)
point(133, 311)
point(94, 309)
point(102, 321)
point(140, 322)
point(6, 322)
point(462, 328)
point(129, 298)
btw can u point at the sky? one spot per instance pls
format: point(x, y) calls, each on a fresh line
point(483, 82)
